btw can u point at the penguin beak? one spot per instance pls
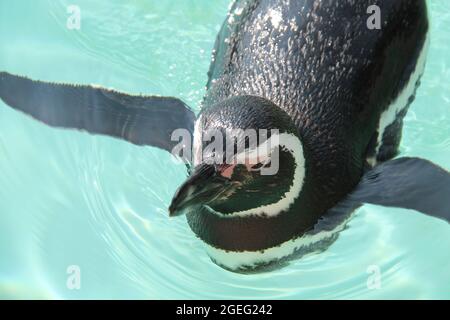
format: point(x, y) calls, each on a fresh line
point(203, 186)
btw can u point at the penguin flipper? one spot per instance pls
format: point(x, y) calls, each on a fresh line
point(410, 183)
point(141, 120)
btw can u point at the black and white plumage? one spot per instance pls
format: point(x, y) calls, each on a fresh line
point(345, 88)
point(337, 92)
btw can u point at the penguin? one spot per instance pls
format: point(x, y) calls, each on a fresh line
point(330, 95)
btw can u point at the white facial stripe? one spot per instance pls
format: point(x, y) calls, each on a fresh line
point(262, 151)
point(197, 141)
point(292, 144)
point(390, 114)
point(248, 259)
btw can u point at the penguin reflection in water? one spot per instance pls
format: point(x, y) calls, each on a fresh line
point(311, 69)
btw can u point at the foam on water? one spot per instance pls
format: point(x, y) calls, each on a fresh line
point(68, 198)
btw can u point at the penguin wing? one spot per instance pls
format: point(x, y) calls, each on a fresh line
point(141, 120)
point(409, 183)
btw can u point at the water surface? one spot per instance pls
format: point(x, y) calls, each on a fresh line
point(69, 198)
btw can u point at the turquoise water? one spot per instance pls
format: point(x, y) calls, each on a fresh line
point(68, 198)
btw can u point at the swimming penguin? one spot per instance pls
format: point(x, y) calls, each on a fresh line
point(330, 92)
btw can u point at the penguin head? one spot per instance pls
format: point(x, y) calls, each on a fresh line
point(248, 160)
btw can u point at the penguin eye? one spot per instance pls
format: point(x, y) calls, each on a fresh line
point(257, 166)
point(261, 165)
